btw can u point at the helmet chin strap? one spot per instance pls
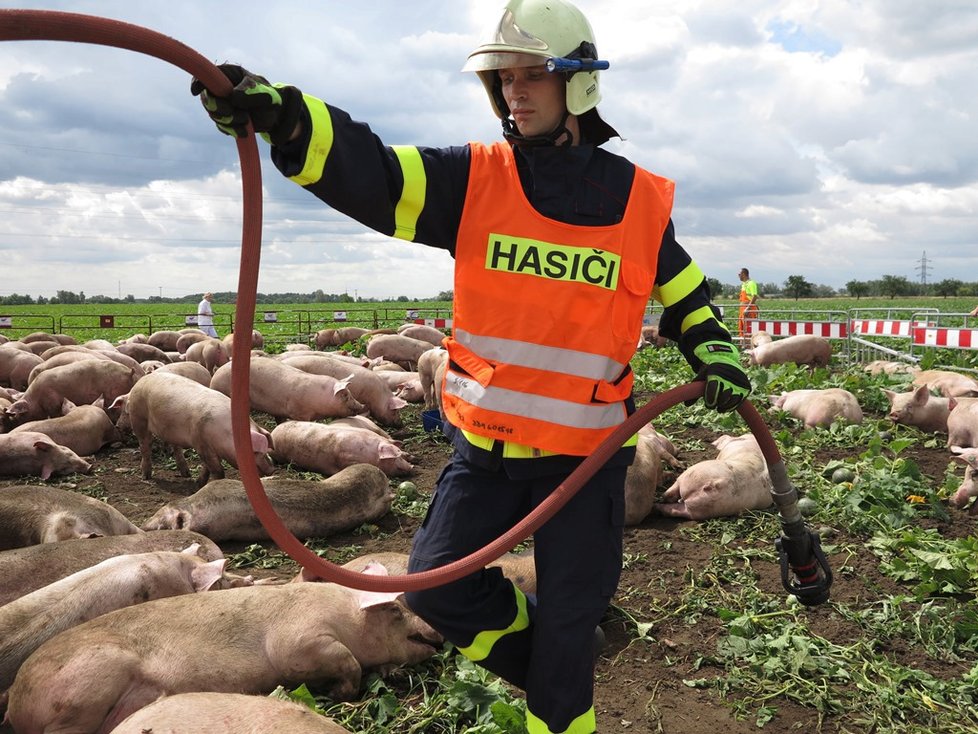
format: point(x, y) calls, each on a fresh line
point(513, 136)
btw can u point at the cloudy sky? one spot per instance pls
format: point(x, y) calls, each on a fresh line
point(834, 139)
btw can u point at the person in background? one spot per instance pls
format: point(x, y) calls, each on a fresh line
point(748, 303)
point(974, 311)
point(558, 246)
point(205, 315)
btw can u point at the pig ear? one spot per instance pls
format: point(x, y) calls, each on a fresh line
point(397, 403)
point(205, 575)
point(889, 394)
point(259, 444)
point(388, 451)
point(374, 598)
point(921, 395)
point(951, 404)
point(191, 550)
point(100, 403)
point(43, 445)
point(342, 384)
point(67, 406)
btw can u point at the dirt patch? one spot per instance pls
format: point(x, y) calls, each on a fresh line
point(643, 684)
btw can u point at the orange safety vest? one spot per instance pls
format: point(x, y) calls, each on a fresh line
point(547, 315)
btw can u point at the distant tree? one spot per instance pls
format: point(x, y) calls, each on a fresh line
point(895, 285)
point(948, 287)
point(820, 290)
point(857, 288)
point(445, 296)
point(403, 299)
point(15, 299)
point(797, 287)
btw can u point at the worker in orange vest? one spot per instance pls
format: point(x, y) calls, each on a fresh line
point(748, 303)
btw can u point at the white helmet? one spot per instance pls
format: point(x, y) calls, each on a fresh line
point(530, 33)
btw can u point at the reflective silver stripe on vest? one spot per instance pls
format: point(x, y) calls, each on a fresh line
point(524, 354)
point(551, 410)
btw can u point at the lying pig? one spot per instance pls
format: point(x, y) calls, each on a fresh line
point(885, 367)
point(245, 640)
point(31, 514)
point(16, 366)
point(330, 448)
point(226, 713)
point(28, 453)
point(80, 382)
point(112, 584)
point(737, 480)
point(366, 386)
point(947, 383)
point(310, 509)
point(288, 392)
point(403, 350)
point(165, 340)
point(146, 352)
point(191, 370)
point(642, 480)
point(962, 423)
point(819, 407)
point(969, 487)
point(920, 408)
point(803, 349)
point(26, 569)
point(83, 428)
point(187, 415)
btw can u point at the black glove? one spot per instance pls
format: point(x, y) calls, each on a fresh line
point(727, 384)
point(272, 108)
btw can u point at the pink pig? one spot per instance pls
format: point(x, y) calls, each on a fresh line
point(330, 448)
point(819, 407)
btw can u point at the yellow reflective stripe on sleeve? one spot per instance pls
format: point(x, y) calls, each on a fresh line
point(482, 644)
point(680, 286)
point(586, 723)
point(411, 203)
point(320, 142)
point(705, 313)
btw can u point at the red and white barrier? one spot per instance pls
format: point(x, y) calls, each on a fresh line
point(884, 327)
point(825, 329)
point(946, 337)
point(437, 323)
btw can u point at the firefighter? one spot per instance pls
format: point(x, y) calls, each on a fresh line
point(558, 246)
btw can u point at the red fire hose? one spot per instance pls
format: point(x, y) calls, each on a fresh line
point(799, 549)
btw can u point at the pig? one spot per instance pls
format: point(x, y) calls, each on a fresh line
point(31, 514)
point(366, 386)
point(288, 392)
point(40, 346)
point(28, 568)
point(410, 390)
point(969, 487)
point(819, 407)
point(403, 350)
point(642, 479)
point(111, 355)
point(144, 352)
point(191, 337)
point(362, 421)
point(947, 383)
point(165, 340)
point(114, 583)
point(191, 370)
point(325, 338)
point(83, 428)
point(428, 364)
point(737, 480)
point(247, 640)
point(185, 414)
point(210, 352)
point(962, 423)
point(298, 348)
point(920, 408)
point(423, 332)
point(663, 446)
point(310, 509)
point(44, 336)
point(330, 448)
point(803, 349)
point(206, 712)
point(257, 340)
point(882, 366)
point(16, 366)
point(80, 382)
point(30, 453)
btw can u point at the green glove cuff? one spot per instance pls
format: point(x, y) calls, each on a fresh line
point(717, 352)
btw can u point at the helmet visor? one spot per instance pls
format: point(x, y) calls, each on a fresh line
point(491, 60)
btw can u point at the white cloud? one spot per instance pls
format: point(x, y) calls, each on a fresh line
point(829, 139)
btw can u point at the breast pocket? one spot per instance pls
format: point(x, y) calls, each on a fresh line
point(634, 288)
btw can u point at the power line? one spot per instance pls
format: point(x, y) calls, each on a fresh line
point(923, 268)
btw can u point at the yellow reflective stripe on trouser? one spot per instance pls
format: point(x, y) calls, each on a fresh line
point(482, 644)
point(680, 286)
point(705, 313)
point(320, 142)
point(538, 356)
point(586, 723)
point(411, 203)
point(513, 450)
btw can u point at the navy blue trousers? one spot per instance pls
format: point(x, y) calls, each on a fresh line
point(578, 556)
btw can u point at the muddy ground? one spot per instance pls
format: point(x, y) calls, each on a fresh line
point(640, 683)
